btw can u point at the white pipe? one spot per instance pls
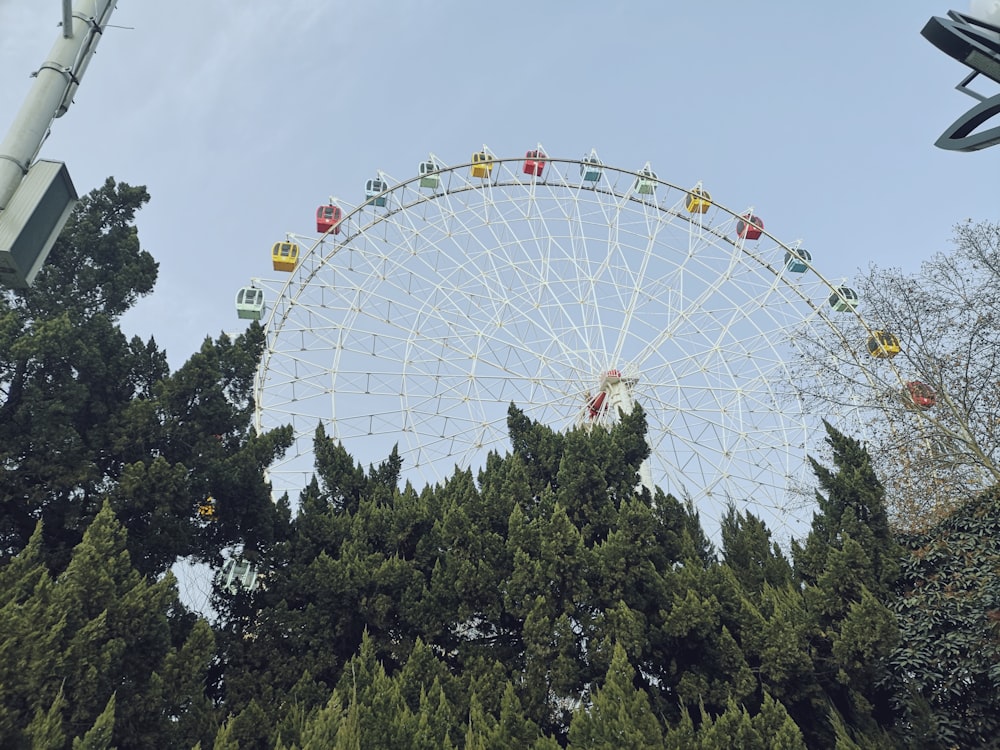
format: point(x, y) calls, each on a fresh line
point(55, 83)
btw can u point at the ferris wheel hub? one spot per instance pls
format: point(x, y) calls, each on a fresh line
point(614, 377)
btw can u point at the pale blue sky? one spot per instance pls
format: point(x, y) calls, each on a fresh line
point(242, 117)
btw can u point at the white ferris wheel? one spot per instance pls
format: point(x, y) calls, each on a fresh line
point(566, 286)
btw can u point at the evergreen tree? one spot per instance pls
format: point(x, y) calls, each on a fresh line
point(851, 503)
point(539, 448)
point(86, 413)
point(620, 716)
point(67, 373)
point(750, 553)
point(848, 566)
point(542, 577)
point(92, 654)
point(771, 729)
point(99, 736)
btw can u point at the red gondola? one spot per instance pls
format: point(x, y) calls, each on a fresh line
point(327, 218)
point(920, 394)
point(749, 227)
point(534, 163)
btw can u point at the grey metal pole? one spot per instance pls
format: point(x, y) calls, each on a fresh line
point(67, 22)
point(55, 84)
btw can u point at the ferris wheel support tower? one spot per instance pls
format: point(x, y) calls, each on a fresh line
point(37, 197)
point(618, 387)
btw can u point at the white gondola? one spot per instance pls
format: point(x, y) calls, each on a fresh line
point(374, 190)
point(429, 177)
point(645, 183)
point(238, 575)
point(844, 299)
point(250, 303)
point(590, 169)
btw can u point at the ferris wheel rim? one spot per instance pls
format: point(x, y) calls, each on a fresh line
point(469, 186)
point(320, 253)
point(299, 279)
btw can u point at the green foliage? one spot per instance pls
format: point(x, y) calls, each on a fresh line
point(46, 730)
point(99, 736)
point(67, 373)
point(620, 715)
point(749, 552)
point(944, 668)
point(541, 579)
point(545, 601)
point(91, 654)
point(86, 413)
point(847, 569)
point(771, 729)
point(853, 505)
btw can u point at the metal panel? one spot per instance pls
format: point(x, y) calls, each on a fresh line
point(32, 221)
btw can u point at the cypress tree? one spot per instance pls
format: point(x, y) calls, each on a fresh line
point(620, 716)
point(848, 567)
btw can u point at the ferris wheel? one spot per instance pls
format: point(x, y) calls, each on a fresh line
point(568, 287)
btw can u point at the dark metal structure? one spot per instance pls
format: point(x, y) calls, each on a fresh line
point(976, 44)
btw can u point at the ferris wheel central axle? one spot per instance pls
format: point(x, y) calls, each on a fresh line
point(614, 396)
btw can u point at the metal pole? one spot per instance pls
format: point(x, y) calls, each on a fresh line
point(67, 22)
point(55, 84)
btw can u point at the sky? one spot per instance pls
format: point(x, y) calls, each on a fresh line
point(242, 117)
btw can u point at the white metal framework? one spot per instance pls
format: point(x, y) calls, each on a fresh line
point(422, 319)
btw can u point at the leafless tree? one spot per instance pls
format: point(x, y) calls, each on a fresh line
point(932, 410)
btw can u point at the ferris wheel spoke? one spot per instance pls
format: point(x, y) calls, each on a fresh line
point(425, 318)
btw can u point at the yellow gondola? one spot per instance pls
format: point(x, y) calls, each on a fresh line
point(883, 345)
point(206, 509)
point(285, 256)
point(698, 201)
point(482, 164)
